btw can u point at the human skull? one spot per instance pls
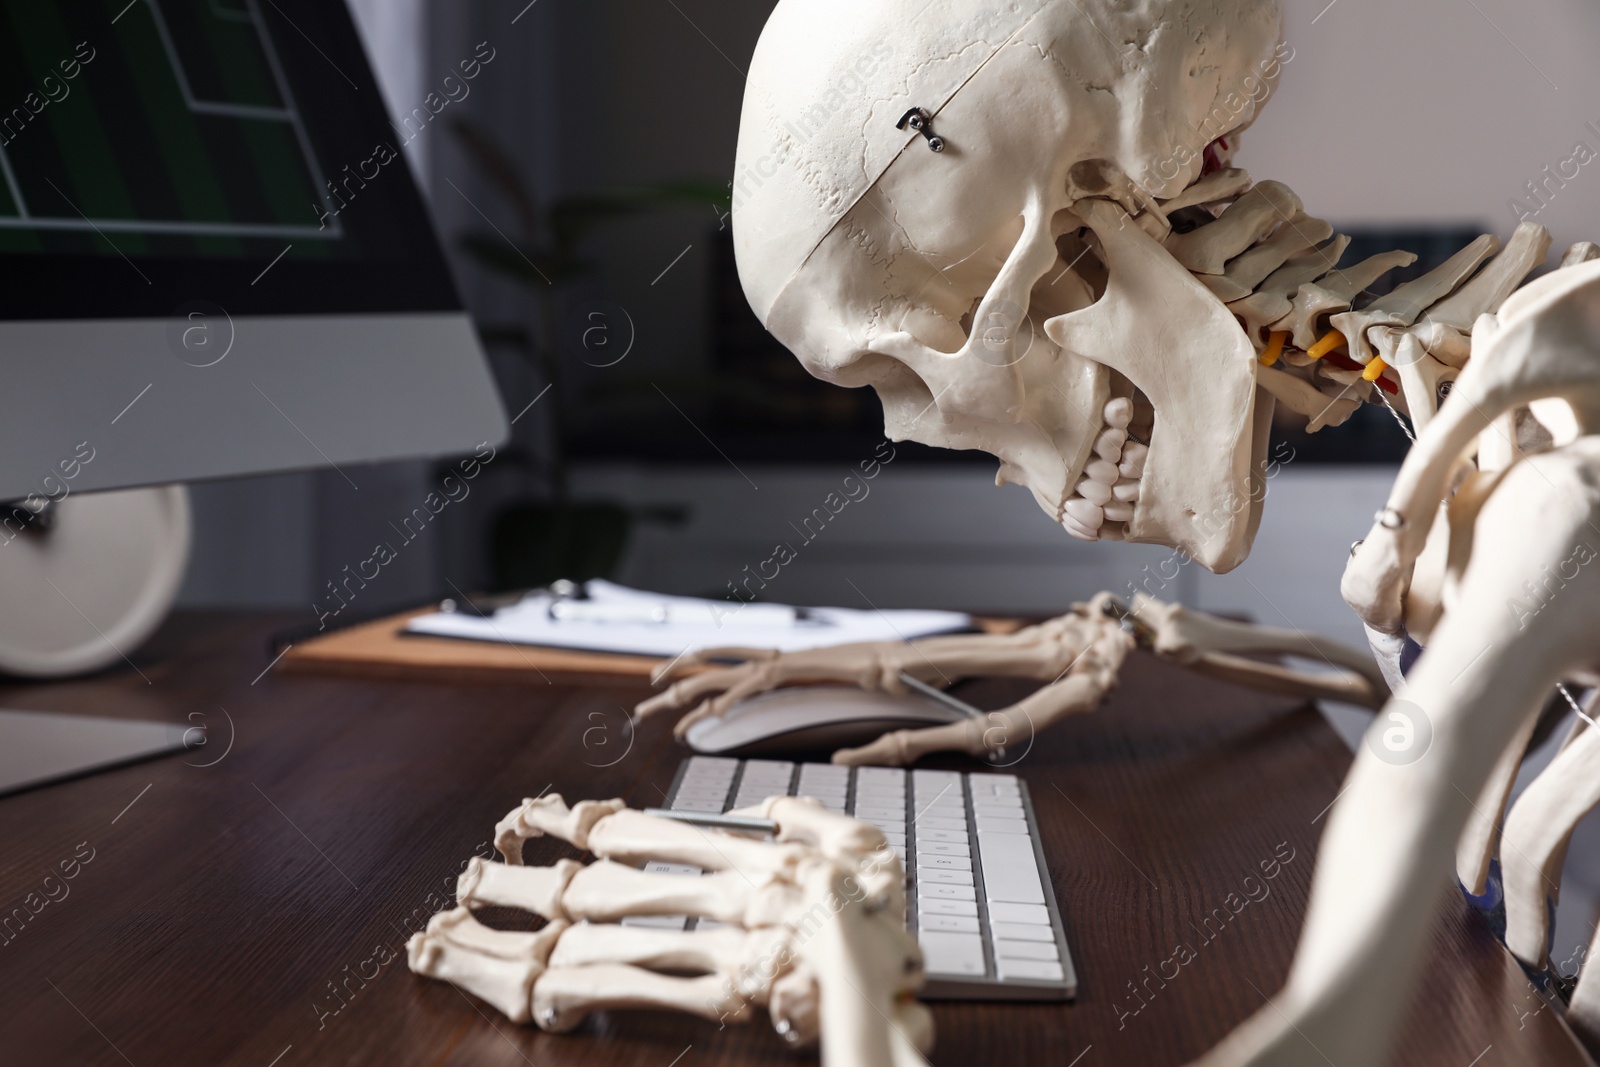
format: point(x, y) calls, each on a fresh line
point(934, 199)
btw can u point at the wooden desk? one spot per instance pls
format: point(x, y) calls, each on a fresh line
point(219, 909)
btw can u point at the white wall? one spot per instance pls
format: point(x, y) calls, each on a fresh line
point(1435, 110)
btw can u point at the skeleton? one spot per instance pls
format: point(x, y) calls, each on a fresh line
point(1020, 225)
point(814, 927)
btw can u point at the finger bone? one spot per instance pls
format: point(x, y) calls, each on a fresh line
point(535, 889)
point(549, 814)
point(506, 984)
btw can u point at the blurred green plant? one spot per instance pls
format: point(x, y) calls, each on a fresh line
point(537, 540)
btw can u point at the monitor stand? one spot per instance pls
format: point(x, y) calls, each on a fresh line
point(96, 573)
point(37, 748)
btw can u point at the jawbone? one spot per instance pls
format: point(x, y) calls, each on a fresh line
point(1186, 352)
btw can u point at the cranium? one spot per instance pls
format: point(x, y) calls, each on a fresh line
point(938, 200)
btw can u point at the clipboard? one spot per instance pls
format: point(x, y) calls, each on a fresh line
point(380, 650)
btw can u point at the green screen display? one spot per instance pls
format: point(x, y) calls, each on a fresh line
point(161, 127)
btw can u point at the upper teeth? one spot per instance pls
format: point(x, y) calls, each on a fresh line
point(1104, 498)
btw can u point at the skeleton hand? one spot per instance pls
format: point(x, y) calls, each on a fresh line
point(1078, 655)
point(814, 927)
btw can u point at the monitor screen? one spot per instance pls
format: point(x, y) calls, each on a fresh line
point(237, 152)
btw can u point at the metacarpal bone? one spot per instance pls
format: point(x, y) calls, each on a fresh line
point(804, 821)
point(726, 950)
point(633, 837)
point(607, 892)
point(565, 996)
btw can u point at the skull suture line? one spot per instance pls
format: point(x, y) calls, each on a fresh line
point(994, 292)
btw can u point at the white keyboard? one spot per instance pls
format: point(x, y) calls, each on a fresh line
point(978, 892)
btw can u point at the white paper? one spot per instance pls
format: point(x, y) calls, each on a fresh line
point(694, 624)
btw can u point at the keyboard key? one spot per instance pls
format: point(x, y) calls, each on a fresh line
point(1021, 950)
point(1038, 970)
point(955, 924)
point(1021, 932)
point(1031, 914)
point(933, 874)
point(934, 781)
point(656, 922)
point(933, 822)
point(939, 810)
point(874, 812)
point(948, 835)
point(943, 848)
point(936, 891)
point(951, 953)
point(940, 906)
point(1002, 826)
point(1009, 871)
point(697, 792)
point(1005, 809)
point(943, 863)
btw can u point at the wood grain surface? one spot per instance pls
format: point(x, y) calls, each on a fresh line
point(230, 890)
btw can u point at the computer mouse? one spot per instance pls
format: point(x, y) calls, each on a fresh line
point(813, 720)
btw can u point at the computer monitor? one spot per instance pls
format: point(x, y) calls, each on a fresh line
point(213, 262)
point(215, 259)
